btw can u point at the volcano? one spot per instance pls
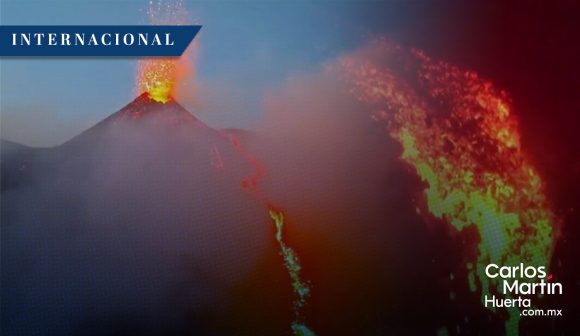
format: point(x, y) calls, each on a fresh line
point(133, 226)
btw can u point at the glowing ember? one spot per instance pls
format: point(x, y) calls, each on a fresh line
point(458, 132)
point(159, 76)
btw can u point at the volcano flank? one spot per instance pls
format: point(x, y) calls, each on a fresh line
point(143, 107)
point(146, 113)
point(132, 227)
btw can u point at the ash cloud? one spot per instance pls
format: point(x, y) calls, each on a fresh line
point(322, 147)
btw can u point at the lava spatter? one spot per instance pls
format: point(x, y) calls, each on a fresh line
point(458, 131)
point(159, 76)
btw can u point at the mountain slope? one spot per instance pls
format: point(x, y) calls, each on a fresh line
point(128, 228)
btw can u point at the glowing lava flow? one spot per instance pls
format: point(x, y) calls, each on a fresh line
point(458, 132)
point(291, 262)
point(158, 76)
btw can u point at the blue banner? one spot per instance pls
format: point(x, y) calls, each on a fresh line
point(95, 40)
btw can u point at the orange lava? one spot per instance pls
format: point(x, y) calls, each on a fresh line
point(458, 132)
point(159, 76)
